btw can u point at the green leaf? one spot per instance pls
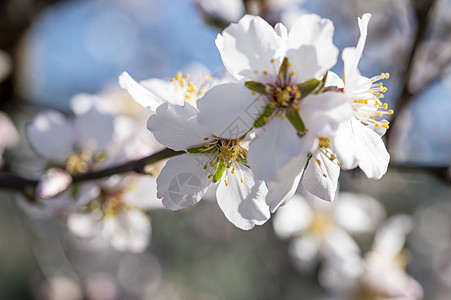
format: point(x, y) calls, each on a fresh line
point(283, 69)
point(219, 171)
point(295, 119)
point(307, 87)
point(256, 87)
point(263, 119)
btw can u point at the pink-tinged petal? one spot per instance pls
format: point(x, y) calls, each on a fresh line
point(177, 127)
point(243, 203)
point(274, 146)
point(229, 110)
point(139, 92)
point(8, 133)
point(281, 191)
point(54, 182)
point(321, 176)
point(323, 113)
point(51, 136)
point(357, 143)
point(292, 218)
point(248, 47)
point(310, 29)
point(94, 130)
point(183, 180)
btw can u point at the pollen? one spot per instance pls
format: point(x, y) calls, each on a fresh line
point(242, 181)
point(226, 182)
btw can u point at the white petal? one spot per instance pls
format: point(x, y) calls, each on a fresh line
point(51, 136)
point(249, 46)
point(243, 204)
point(305, 64)
point(351, 56)
point(94, 129)
point(390, 239)
point(304, 251)
point(339, 245)
point(139, 93)
point(310, 29)
point(292, 218)
point(358, 213)
point(183, 180)
point(281, 191)
point(128, 231)
point(53, 182)
point(323, 113)
point(274, 146)
point(321, 176)
point(8, 133)
point(143, 193)
point(229, 110)
point(177, 127)
point(334, 80)
point(164, 91)
point(85, 225)
point(358, 143)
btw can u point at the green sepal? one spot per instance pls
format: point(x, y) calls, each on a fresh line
point(256, 87)
point(197, 150)
point(320, 88)
point(295, 119)
point(283, 69)
point(267, 112)
point(74, 190)
point(219, 171)
point(308, 87)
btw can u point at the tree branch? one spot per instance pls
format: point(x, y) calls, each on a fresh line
point(16, 182)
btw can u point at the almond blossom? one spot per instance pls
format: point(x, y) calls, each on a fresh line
point(209, 160)
point(8, 133)
point(317, 229)
point(281, 73)
point(380, 274)
point(357, 141)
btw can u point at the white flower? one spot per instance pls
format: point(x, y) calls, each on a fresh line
point(117, 213)
point(75, 144)
point(357, 141)
point(153, 92)
point(280, 70)
point(380, 274)
point(185, 178)
point(224, 10)
point(320, 229)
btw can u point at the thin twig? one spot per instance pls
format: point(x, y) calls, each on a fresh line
point(16, 182)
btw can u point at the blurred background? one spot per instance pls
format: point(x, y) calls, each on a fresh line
point(51, 50)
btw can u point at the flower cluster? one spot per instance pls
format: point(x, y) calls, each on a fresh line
point(281, 117)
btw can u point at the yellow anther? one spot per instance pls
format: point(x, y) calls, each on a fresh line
point(206, 138)
point(379, 113)
point(233, 171)
point(280, 115)
point(385, 106)
point(372, 117)
point(209, 78)
point(266, 73)
point(201, 149)
point(186, 76)
point(226, 182)
point(324, 175)
point(291, 73)
point(297, 94)
point(265, 119)
point(386, 126)
point(390, 111)
point(205, 166)
point(379, 84)
point(272, 104)
point(376, 125)
point(289, 65)
point(254, 93)
point(383, 75)
point(212, 163)
point(207, 145)
point(318, 162)
point(338, 163)
point(387, 75)
point(242, 181)
point(257, 99)
point(211, 175)
point(272, 61)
